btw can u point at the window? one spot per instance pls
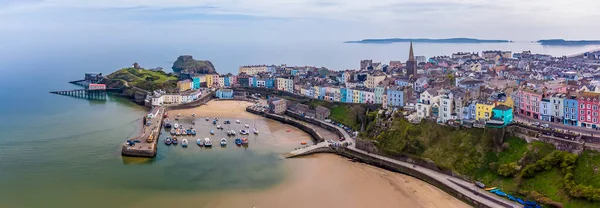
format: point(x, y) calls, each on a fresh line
point(582, 106)
point(581, 112)
point(582, 118)
point(589, 106)
point(595, 113)
point(589, 113)
point(594, 107)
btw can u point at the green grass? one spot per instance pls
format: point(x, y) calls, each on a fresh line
point(144, 79)
point(517, 147)
point(549, 183)
point(587, 169)
point(344, 115)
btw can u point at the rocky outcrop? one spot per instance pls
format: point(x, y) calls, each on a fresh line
point(187, 64)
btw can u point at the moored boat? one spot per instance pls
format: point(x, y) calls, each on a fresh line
point(194, 122)
point(206, 118)
point(223, 142)
point(255, 131)
point(193, 132)
point(243, 132)
point(246, 125)
point(214, 122)
point(219, 127)
point(168, 141)
point(207, 142)
point(184, 142)
point(238, 141)
point(178, 132)
point(193, 115)
point(168, 125)
point(244, 141)
point(237, 121)
point(172, 132)
point(176, 125)
point(174, 141)
point(212, 132)
point(199, 142)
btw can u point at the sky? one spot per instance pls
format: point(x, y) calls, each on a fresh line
point(292, 20)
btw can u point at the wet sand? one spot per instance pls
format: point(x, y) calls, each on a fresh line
point(322, 180)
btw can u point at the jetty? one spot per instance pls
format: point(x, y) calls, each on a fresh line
point(145, 144)
point(93, 89)
point(83, 93)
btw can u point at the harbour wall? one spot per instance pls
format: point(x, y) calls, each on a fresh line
point(203, 100)
point(313, 133)
point(144, 149)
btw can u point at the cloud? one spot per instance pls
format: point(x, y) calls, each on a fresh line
point(425, 18)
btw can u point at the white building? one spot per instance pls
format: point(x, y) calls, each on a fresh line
point(252, 70)
point(446, 107)
point(172, 99)
point(285, 84)
point(426, 100)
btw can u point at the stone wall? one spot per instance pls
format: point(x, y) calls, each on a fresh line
point(571, 143)
point(358, 156)
point(195, 103)
point(313, 133)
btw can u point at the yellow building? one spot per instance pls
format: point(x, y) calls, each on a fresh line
point(184, 85)
point(483, 111)
point(317, 92)
point(356, 97)
point(508, 102)
point(209, 80)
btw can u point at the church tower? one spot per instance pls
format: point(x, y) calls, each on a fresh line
point(411, 64)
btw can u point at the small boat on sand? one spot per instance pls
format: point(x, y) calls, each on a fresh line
point(489, 189)
point(199, 142)
point(214, 122)
point(255, 131)
point(193, 115)
point(212, 132)
point(168, 125)
point(172, 132)
point(183, 132)
point(174, 141)
point(193, 132)
point(303, 143)
point(206, 118)
point(207, 142)
point(168, 141)
point(246, 125)
point(244, 141)
point(176, 125)
point(243, 132)
point(223, 142)
point(178, 132)
point(237, 121)
point(184, 143)
point(238, 141)
point(194, 122)
point(219, 127)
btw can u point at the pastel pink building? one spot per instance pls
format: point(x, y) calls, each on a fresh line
point(529, 102)
point(588, 109)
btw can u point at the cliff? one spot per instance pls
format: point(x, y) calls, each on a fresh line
point(129, 78)
point(187, 64)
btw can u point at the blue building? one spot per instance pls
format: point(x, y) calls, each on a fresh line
point(343, 94)
point(270, 83)
point(322, 91)
point(502, 115)
point(401, 81)
point(310, 92)
point(271, 69)
point(545, 112)
point(349, 95)
point(244, 81)
point(195, 83)
point(395, 96)
point(226, 81)
point(225, 94)
point(571, 109)
point(293, 72)
point(469, 112)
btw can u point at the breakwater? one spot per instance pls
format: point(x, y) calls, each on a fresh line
point(313, 133)
point(145, 144)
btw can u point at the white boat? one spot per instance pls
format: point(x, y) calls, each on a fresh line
point(255, 131)
point(243, 132)
point(223, 142)
point(212, 132)
point(176, 125)
point(237, 121)
point(219, 127)
point(247, 126)
point(207, 142)
point(193, 115)
point(184, 143)
point(199, 142)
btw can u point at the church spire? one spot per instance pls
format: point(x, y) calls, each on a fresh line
point(411, 55)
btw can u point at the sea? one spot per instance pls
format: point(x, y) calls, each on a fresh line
point(59, 151)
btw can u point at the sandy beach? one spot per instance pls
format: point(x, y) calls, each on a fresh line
point(323, 180)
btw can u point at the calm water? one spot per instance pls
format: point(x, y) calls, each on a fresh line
point(58, 151)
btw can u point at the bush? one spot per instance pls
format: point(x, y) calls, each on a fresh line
point(509, 169)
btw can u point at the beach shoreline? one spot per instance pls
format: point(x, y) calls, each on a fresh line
point(321, 180)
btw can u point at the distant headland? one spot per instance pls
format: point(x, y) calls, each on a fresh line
point(568, 42)
point(427, 40)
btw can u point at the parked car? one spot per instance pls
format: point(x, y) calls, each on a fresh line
point(545, 126)
point(536, 124)
point(342, 138)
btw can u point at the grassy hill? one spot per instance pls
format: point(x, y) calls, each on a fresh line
point(141, 78)
point(535, 171)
